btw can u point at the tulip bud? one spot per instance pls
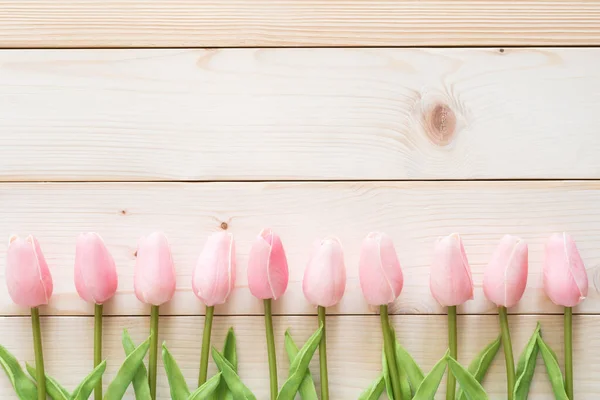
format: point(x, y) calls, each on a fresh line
point(565, 277)
point(154, 274)
point(95, 271)
point(325, 275)
point(214, 276)
point(267, 267)
point(27, 275)
point(505, 276)
point(450, 278)
point(379, 270)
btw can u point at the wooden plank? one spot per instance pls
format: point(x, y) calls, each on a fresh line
point(288, 114)
point(260, 23)
point(354, 348)
point(413, 213)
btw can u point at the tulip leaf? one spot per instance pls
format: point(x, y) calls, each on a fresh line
point(481, 363)
point(406, 363)
point(375, 390)
point(386, 376)
point(177, 384)
point(428, 388)
point(234, 383)
point(404, 384)
point(229, 352)
point(299, 366)
point(553, 369)
point(140, 380)
point(307, 389)
point(229, 349)
point(208, 388)
point(24, 387)
point(526, 367)
point(53, 388)
point(470, 386)
point(87, 385)
point(117, 388)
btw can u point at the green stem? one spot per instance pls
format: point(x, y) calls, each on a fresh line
point(451, 385)
point(323, 356)
point(271, 350)
point(390, 352)
point(205, 345)
point(98, 347)
point(153, 351)
point(569, 352)
point(508, 352)
point(39, 356)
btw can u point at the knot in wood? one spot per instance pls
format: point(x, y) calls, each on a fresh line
point(440, 124)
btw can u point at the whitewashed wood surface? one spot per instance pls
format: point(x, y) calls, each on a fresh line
point(248, 114)
point(128, 116)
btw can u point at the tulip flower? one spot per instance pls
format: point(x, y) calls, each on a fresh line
point(451, 285)
point(323, 285)
point(504, 282)
point(154, 284)
point(566, 284)
point(268, 279)
point(96, 282)
point(381, 282)
point(30, 285)
point(212, 281)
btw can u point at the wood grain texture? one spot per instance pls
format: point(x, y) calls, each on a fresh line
point(262, 23)
point(414, 214)
point(354, 348)
point(289, 114)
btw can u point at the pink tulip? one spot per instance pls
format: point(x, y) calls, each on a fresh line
point(27, 275)
point(214, 276)
point(154, 274)
point(565, 277)
point(379, 270)
point(505, 277)
point(325, 275)
point(267, 267)
point(95, 271)
point(450, 279)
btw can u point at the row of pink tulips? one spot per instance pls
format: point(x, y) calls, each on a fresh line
point(30, 284)
point(565, 280)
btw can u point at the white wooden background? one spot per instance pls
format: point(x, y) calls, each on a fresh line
point(127, 116)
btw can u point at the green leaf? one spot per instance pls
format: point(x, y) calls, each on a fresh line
point(234, 383)
point(299, 366)
point(24, 387)
point(404, 384)
point(431, 382)
point(117, 388)
point(208, 388)
point(87, 385)
point(375, 390)
point(177, 384)
point(470, 386)
point(406, 363)
point(481, 363)
point(526, 367)
point(307, 389)
point(553, 369)
point(229, 352)
point(53, 388)
point(386, 376)
point(140, 380)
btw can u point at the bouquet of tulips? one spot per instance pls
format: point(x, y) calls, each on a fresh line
point(30, 285)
